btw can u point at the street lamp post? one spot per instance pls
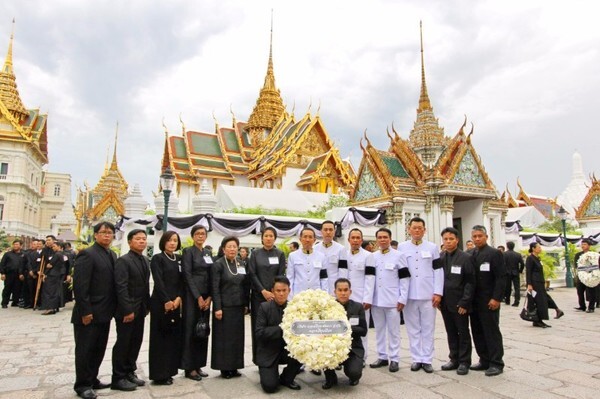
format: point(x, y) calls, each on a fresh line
point(562, 213)
point(166, 181)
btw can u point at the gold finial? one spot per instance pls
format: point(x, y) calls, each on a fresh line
point(8, 66)
point(107, 156)
point(293, 108)
point(387, 131)
point(182, 125)
point(216, 122)
point(318, 108)
point(165, 127)
point(366, 138)
point(424, 103)
point(232, 116)
point(309, 106)
point(114, 159)
point(470, 133)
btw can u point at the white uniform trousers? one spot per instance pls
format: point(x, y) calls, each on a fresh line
point(387, 329)
point(365, 339)
point(419, 316)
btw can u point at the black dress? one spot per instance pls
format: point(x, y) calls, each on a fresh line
point(231, 290)
point(535, 277)
point(197, 276)
point(52, 287)
point(165, 345)
point(263, 266)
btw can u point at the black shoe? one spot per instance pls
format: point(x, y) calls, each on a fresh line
point(235, 373)
point(226, 374)
point(4, 306)
point(202, 373)
point(492, 371)
point(559, 314)
point(546, 325)
point(515, 304)
point(580, 309)
point(168, 381)
point(462, 369)
point(100, 385)
point(478, 367)
point(48, 312)
point(354, 383)
point(329, 383)
point(507, 302)
point(427, 368)
point(590, 311)
point(193, 375)
point(132, 377)
point(87, 394)
point(394, 367)
point(123, 385)
point(415, 366)
point(315, 372)
point(539, 324)
point(450, 366)
point(379, 363)
point(15, 305)
point(291, 385)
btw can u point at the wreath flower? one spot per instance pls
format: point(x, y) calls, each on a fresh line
point(587, 269)
point(317, 352)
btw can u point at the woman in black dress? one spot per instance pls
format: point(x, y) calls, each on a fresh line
point(536, 282)
point(231, 290)
point(197, 275)
point(165, 311)
point(53, 277)
point(265, 263)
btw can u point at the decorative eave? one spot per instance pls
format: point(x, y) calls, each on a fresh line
point(590, 206)
point(332, 158)
point(110, 199)
point(280, 130)
point(508, 199)
point(207, 158)
point(409, 160)
point(368, 163)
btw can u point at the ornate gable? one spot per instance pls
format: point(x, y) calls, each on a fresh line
point(110, 206)
point(590, 206)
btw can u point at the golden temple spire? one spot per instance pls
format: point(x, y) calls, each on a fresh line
point(424, 103)
point(114, 158)
point(106, 162)
point(9, 94)
point(269, 105)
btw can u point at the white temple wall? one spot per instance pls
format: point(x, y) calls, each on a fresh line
point(185, 196)
point(291, 177)
point(471, 213)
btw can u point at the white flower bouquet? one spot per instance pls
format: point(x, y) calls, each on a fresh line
point(317, 352)
point(588, 271)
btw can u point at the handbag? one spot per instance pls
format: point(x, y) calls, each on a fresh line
point(170, 320)
point(529, 311)
point(201, 328)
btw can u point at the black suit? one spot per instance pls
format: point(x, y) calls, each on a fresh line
point(12, 266)
point(490, 276)
point(132, 284)
point(34, 259)
point(459, 288)
point(54, 276)
point(271, 350)
point(514, 267)
point(354, 364)
point(94, 288)
point(582, 290)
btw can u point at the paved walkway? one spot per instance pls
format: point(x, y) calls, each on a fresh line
point(36, 361)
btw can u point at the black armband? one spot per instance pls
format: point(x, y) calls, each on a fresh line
point(323, 274)
point(342, 264)
point(370, 271)
point(403, 273)
point(437, 264)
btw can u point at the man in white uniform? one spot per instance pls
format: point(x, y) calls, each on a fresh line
point(386, 295)
point(306, 268)
point(332, 250)
point(353, 267)
point(424, 294)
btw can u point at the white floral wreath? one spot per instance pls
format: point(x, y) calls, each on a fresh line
point(316, 352)
point(589, 278)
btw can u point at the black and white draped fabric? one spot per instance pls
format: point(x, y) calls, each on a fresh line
point(550, 240)
point(513, 227)
point(244, 225)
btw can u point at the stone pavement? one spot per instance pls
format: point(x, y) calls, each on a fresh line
point(36, 361)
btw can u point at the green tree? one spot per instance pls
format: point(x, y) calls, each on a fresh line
point(4, 244)
point(554, 225)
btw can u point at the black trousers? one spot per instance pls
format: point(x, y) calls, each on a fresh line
point(28, 290)
point(513, 282)
point(127, 347)
point(353, 367)
point(459, 336)
point(582, 292)
point(255, 302)
point(485, 325)
point(90, 345)
point(12, 286)
point(270, 377)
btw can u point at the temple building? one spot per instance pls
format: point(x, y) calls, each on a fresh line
point(274, 150)
point(438, 178)
point(577, 189)
point(545, 205)
point(106, 201)
point(33, 201)
point(588, 212)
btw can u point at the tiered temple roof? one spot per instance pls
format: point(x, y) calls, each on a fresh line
point(589, 210)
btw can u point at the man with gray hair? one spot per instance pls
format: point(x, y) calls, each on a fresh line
point(490, 275)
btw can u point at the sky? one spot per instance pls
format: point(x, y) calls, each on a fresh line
point(524, 73)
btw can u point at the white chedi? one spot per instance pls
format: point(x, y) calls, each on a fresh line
point(317, 352)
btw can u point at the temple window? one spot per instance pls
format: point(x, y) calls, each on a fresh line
point(3, 170)
point(57, 190)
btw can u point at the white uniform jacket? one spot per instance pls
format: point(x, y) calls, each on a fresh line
point(306, 271)
point(391, 283)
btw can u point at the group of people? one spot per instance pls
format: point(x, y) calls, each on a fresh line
point(38, 277)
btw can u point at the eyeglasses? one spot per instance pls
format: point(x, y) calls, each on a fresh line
point(105, 233)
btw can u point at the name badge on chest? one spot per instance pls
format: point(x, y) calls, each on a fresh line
point(354, 321)
point(241, 270)
point(208, 259)
point(425, 254)
point(485, 267)
point(455, 270)
point(389, 266)
point(333, 259)
point(357, 265)
point(273, 260)
point(317, 265)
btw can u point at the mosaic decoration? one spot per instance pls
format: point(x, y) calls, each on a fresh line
point(367, 187)
point(468, 173)
point(110, 215)
point(593, 208)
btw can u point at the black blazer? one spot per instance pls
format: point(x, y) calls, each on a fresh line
point(492, 283)
point(269, 336)
point(197, 274)
point(34, 259)
point(354, 311)
point(459, 288)
point(513, 262)
point(56, 265)
point(132, 285)
point(94, 285)
point(534, 271)
point(229, 290)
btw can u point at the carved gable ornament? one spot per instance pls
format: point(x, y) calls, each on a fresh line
point(367, 187)
point(468, 173)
